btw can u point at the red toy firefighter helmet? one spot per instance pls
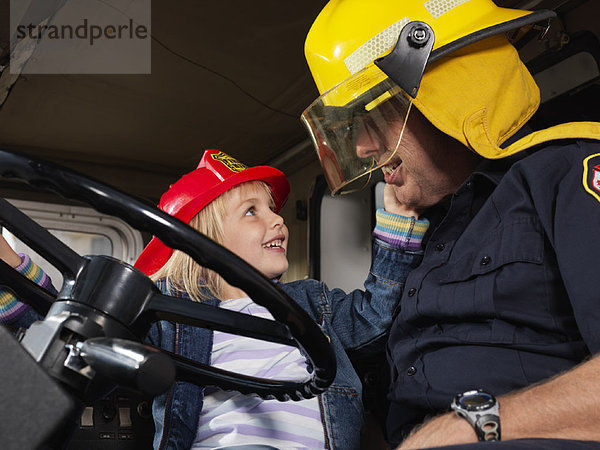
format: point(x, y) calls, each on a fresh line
point(216, 174)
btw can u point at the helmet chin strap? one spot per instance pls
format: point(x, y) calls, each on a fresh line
point(401, 131)
point(397, 146)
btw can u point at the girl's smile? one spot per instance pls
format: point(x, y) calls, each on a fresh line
point(254, 232)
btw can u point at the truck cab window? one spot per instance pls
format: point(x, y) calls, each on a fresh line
point(85, 230)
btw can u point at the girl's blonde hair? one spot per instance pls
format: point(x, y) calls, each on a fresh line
point(181, 272)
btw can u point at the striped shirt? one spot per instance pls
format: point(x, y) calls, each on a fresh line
point(229, 418)
point(10, 307)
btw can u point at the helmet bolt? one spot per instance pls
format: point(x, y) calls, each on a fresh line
point(418, 37)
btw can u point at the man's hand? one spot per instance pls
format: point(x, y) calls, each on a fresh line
point(392, 205)
point(7, 254)
point(564, 407)
point(448, 429)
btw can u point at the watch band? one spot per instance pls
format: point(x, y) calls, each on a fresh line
point(487, 427)
point(482, 411)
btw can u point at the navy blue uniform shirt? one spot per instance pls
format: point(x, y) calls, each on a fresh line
point(508, 292)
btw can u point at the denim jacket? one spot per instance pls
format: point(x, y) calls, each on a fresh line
point(358, 320)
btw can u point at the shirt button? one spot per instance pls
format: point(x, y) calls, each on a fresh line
point(440, 247)
point(411, 371)
point(412, 292)
point(485, 260)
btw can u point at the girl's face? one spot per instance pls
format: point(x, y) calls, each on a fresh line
point(254, 232)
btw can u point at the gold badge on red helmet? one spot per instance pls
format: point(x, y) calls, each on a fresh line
point(231, 163)
point(591, 175)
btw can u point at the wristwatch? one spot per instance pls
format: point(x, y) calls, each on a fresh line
point(481, 410)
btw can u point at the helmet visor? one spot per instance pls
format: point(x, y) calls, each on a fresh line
point(359, 137)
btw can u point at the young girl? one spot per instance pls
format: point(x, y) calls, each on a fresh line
point(237, 207)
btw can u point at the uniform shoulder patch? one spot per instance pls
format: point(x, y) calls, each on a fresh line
point(591, 175)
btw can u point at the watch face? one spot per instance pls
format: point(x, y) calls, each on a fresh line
point(477, 401)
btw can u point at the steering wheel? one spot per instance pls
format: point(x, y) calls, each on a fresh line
point(106, 305)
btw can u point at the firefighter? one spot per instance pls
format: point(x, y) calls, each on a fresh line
point(498, 327)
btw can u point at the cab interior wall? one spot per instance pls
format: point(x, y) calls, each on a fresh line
point(226, 76)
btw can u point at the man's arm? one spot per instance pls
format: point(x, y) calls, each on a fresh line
point(564, 407)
